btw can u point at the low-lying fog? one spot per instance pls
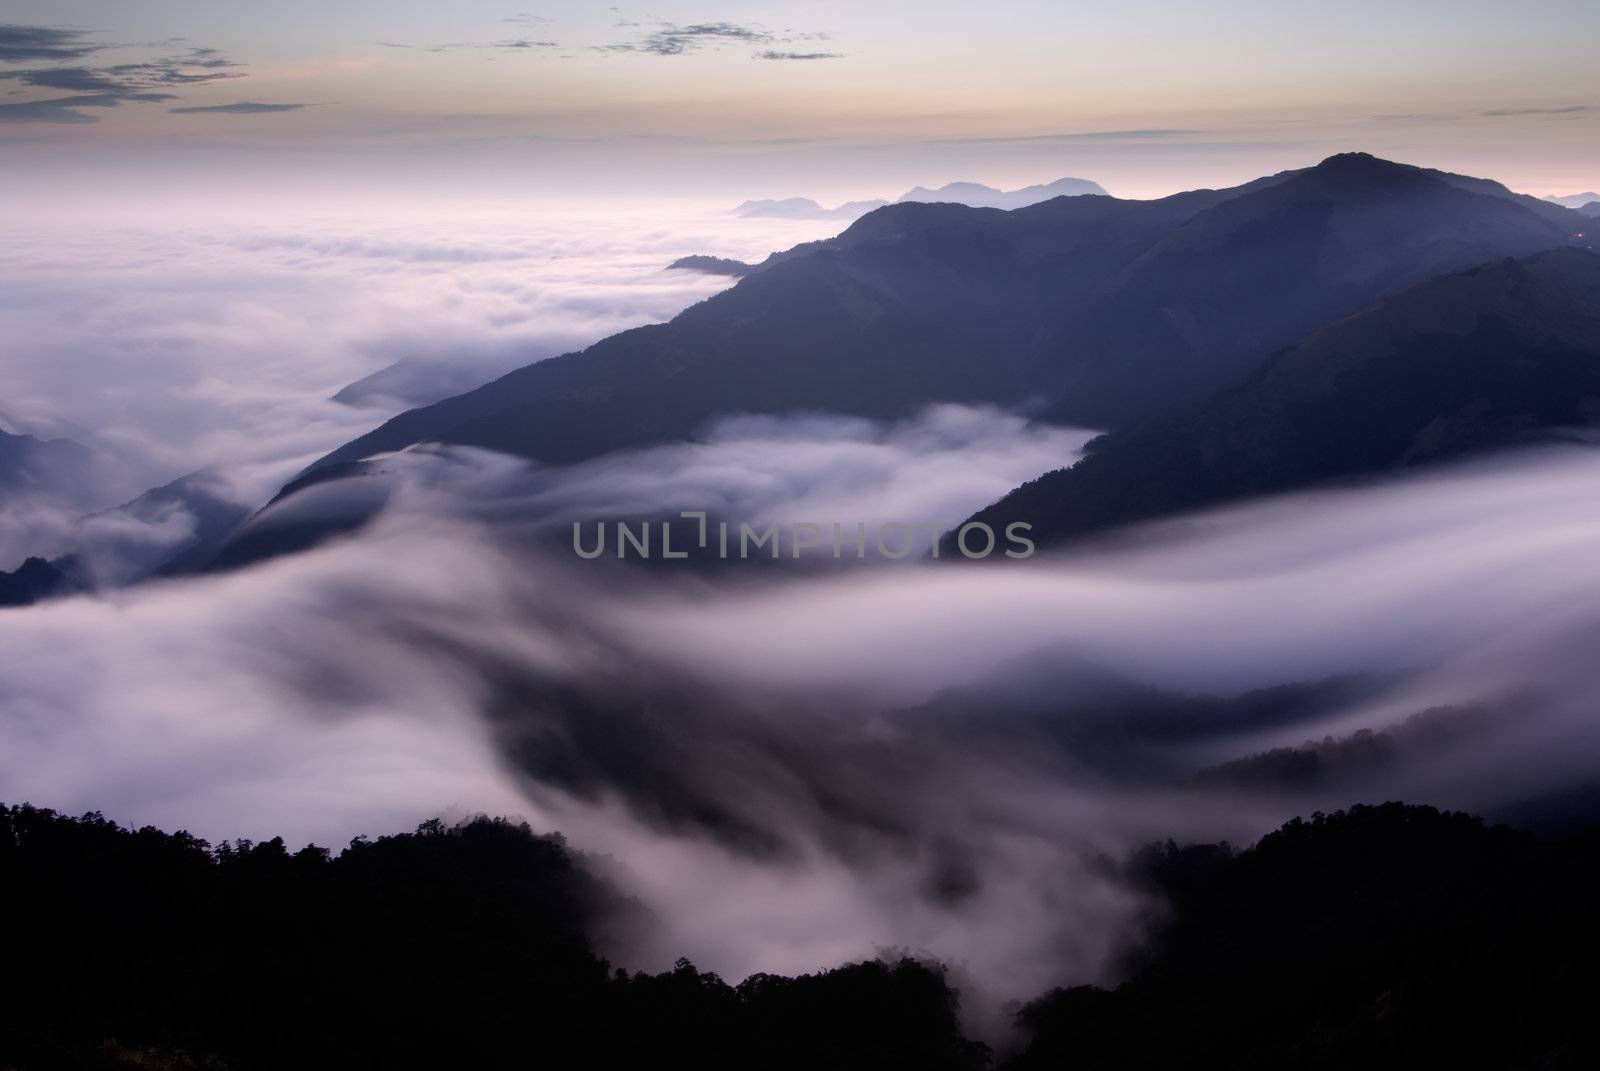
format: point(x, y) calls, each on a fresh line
point(791, 770)
point(198, 337)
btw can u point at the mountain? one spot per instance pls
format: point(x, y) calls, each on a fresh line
point(977, 195)
point(1502, 354)
point(413, 381)
point(1378, 937)
point(210, 507)
point(804, 208)
point(1591, 209)
point(35, 580)
point(33, 469)
point(712, 265)
point(1110, 311)
point(1576, 200)
point(884, 318)
point(1207, 303)
point(141, 947)
point(971, 194)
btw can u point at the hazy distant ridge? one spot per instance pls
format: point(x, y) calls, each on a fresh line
point(972, 194)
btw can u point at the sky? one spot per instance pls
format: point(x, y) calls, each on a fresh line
point(831, 100)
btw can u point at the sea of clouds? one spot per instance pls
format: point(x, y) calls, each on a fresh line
point(795, 769)
point(189, 340)
point(789, 769)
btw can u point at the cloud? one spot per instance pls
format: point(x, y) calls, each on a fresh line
point(105, 87)
point(57, 109)
point(78, 79)
point(223, 343)
point(1418, 117)
point(1496, 113)
point(243, 107)
point(799, 55)
point(1131, 135)
point(18, 44)
point(195, 66)
point(793, 768)
point(1573, 109)
point(511, 44)
point(674, 40)
point(1156, 134)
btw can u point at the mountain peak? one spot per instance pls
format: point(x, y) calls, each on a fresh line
point(1360, 163)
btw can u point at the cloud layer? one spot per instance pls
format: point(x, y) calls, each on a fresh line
point(171, 346)
point(795, 769)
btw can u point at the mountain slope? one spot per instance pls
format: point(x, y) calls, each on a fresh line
point(1116, 310)
point(912, 304)
point(804, 208)
point(1576, 200)
point(1491, 357)
point(1209, 302)
point(34, 469)
point(1379, 937)
point(35, 580)
point(977, 195)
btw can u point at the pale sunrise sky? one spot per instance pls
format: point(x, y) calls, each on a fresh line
point(830, 100)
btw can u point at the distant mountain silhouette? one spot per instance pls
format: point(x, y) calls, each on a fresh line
point(1107, 312)
point(1576, 200)
point(805, 208)
point(971, 194)
point(977, 195)
point(1502, 354)
point(412, 381)
point(712, 265)
point(205, 500)
point(41, 469)
point(35, 580)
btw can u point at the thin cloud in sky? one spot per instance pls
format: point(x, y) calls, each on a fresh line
point(670, 39)
point(1572, 109)
point(144, 81)
point(770, 55)
point(19, 44)
point(243, 107)
point(56, 109)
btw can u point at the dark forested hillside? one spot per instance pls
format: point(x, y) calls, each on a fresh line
point(466, 947)
point(1381, 937)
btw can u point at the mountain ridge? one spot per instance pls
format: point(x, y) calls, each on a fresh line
point(1501, 354)
point(971, 194)
point(1110, 312)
